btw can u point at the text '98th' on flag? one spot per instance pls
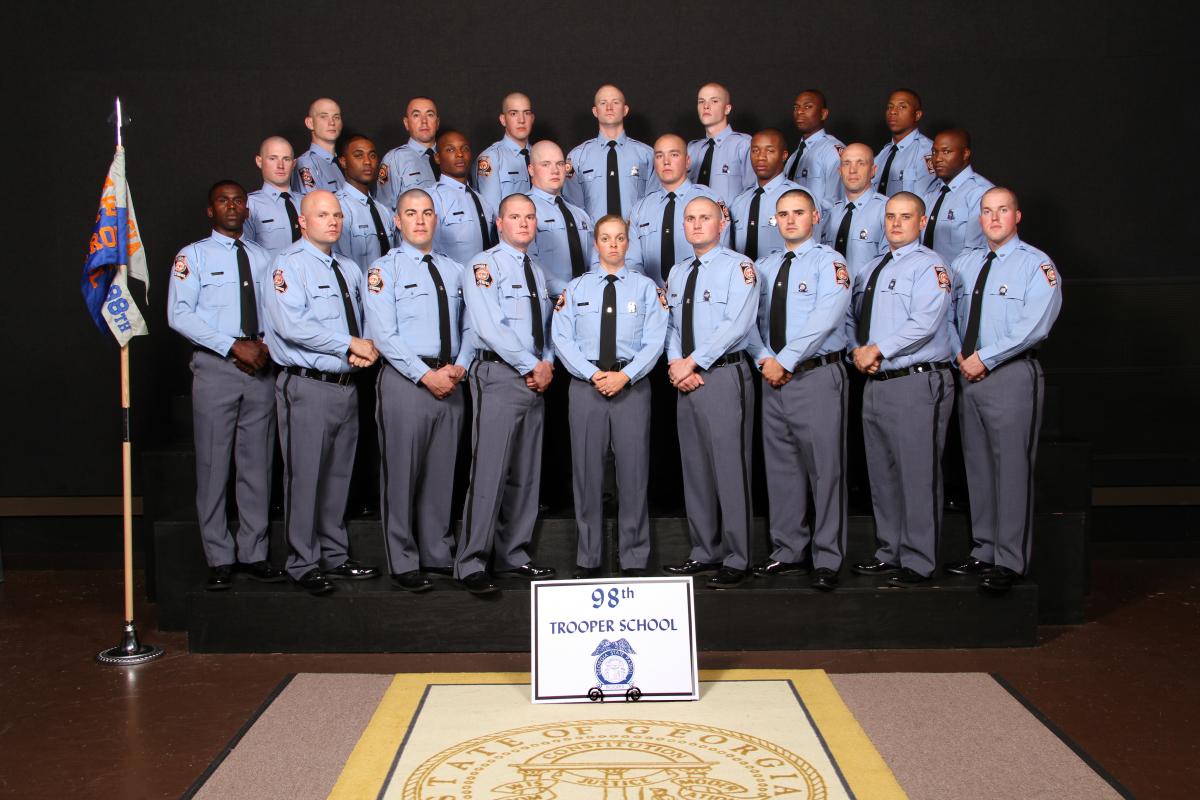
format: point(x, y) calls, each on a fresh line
point(114, 254)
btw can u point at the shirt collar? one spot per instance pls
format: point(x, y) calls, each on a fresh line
point(805, 246)
point(906, 249)
point(603, 140)
point(541, 194)
point(354, 194)
point(411, 251)
point(774, 183)
point(446, 180)
point(416, 146)
point(815, 138)
point(909, 139)
point(723, 135)
point(1008, 247)
point(710, 255)
point(600, 273)
point(961, 178)
point(223, 240)
point(314, 251)
point(272, 191)
point(511, 144)
point(320, 152)
point(512, 251)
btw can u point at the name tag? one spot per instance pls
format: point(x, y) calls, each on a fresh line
point(265, 221)
point(581, 305)
point(326, 286)
point(410, 286)
point(456, 213)
point(217, 273)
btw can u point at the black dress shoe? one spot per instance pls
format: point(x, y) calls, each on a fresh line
point(531, 571)
point(726, 578)
point(351, 570)
point(478, 583)
point(220, 578)
point(445, 571)
point(635, 572)
point(874, 567)
point(824, 579)
point(773, 567)
point(907, 578)
point(690, 567)
point(586, 572)
point(263, 572)
point(314, 582)
point(971, 566)
point(999, 580)
point(412, 581)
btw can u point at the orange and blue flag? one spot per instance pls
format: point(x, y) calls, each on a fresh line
point(114, 254)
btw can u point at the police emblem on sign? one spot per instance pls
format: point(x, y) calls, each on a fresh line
point(280, 283)
point(306, 178)
point(748, 276)
point(374, 281)
point(614, 667)
point(943, 277)
point(181, 267)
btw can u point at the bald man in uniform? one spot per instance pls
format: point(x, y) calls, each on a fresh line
point(503, 168)
point(316, 167)
point(274, 215)
point(411, 165)
point(721, 159)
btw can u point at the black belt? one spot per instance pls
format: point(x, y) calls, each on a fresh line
point(728, 358)
point(888, 374)
point(199, 348)
point(490, 356)
point(435, 363)
point(819, 361)
point(617, 365)
point(340, 378)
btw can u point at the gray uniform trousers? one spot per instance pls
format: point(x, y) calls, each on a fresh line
point(318, 428)
point(716, 424)
point(624, 423)
point(904, 429)
point(1000, 417)
point(506, 469)
point(418, 445)
point(804, 446)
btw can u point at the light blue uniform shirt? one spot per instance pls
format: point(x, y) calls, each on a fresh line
point(641, 323)
point(818, 294)
point(359, 240)
point(401, 307)
point(268, 224)
point(646, 230)
point(818, 168)
point(726, 304)
point(769, 239)
point(912, 168)
point(550, 247)
point(500, 171)
point(731, 173)
point(1021, 300)
point(958, 219)
point(457, 234)
point(403, 168)
point(911, 308)
point(204, 296)
point(497, 298)
point(866, 238)
point(587, 184)
point(316, 169)
point(306, 316)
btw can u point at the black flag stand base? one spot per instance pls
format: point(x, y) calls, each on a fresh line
point(130, 651)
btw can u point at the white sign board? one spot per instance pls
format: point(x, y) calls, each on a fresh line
point(613, 639)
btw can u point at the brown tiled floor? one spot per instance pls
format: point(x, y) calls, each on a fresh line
point(1123, 685)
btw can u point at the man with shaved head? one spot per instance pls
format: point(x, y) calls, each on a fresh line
point(854, 226)
point(465, 219)
point(503, 168)
point(563, 245)
point(314, 315)
point(274, 215)
point(953, 199)
point(904, 163)
point(412, 164)
point(815, 159)
point(609, 174)
point(315, 168)
point(755, 230)
point(721, 159)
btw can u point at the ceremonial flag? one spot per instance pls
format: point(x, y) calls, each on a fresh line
point(114, 253)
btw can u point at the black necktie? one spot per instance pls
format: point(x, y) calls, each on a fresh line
point(614, 181)
point(535, 310)
point(351, 317)
point(437, 173)
point(525, 152)
point(666, 236)
point(887, 169)
point(246, 281)
point(687, 336)
point(485, 230)
point(706, 164)
point(791, 176)
point(380, 233)
point(293, 219)
point(608, 326)
point(976, 313)
point(443, 309)
point(843, 233)
point(751, 250)
point(932, 223)
point(573, 244)
point(778, 320)
point(864, 317)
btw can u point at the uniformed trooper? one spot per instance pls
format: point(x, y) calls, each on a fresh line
point(414, 311)
point(563, 246)
point(608, 174)
point(656, 235)
point(503, 168)
point(1006, 297)
point(316, 167)
point(753, 229)
point(800, 347)
point(904, 163)
point(854, 226)
point(509, 311)
point(713, 301)
point(367, 224)
point(953, 199)
point(215, 302)
point(465, 221)
point(721, 160)
point(314, 324)
point(610, 327)
point(897, 325)
point(273, 222)
point(412, 164)
point(815, 160)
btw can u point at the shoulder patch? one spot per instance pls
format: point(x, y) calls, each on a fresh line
point(929, 163)
point(1047, 272)
point(280, 283)
point(306, 178)
point(841, 274)
point(570, 169)
point(943, 277)
point(484, 165)
point(839, 147)
point(724, 211)
point(662, 297)
point(748, 274)
point(374, 280)
point(181, 269)
point(383, 173)
point(561, 301)
point(483, 276)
